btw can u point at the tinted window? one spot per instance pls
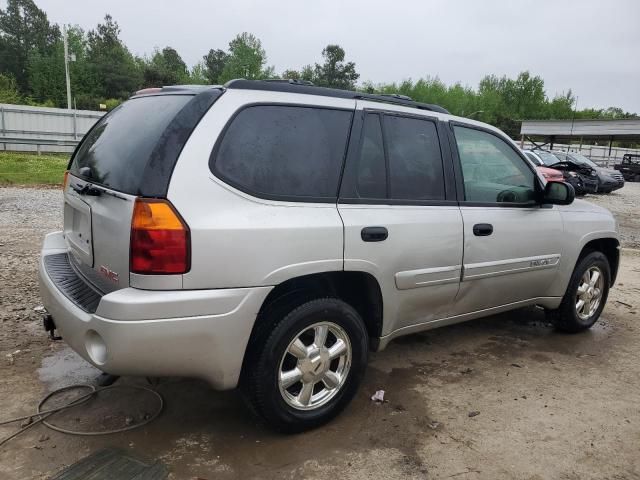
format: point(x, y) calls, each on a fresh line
point(492, 170)
point(285, 151)
point(117, 150)
point(371, 181)
point(415, 161)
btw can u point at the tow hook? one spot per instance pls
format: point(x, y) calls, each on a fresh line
point(50, 326)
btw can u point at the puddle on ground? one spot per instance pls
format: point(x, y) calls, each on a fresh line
point(65, 367)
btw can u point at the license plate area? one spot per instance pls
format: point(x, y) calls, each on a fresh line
point(77, 229)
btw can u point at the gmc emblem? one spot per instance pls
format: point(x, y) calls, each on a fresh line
point(109, 274)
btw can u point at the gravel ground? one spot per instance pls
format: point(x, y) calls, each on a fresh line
point(625, 205)
point(505, 397)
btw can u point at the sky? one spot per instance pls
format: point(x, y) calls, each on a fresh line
point(589, 46)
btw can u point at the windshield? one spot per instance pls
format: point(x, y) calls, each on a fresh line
point(576, 157)
point(533, 158)
point(548, 158)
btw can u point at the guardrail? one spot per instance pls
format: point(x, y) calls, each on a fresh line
point(38, 142)
point(43, 129)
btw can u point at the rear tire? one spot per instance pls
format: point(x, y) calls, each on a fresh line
point(309, 367)
point(586, 294)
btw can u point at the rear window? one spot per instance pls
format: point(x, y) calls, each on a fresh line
point(116, 152)
point(284, 152)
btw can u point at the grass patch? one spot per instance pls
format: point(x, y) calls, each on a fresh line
point(31, 169)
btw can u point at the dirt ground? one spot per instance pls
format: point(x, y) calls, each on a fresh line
point(551, 406)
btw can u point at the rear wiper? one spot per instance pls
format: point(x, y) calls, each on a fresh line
point(94, 191)
point(87, 189)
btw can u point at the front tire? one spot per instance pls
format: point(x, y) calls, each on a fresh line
point(309, 366)
point(586, 295)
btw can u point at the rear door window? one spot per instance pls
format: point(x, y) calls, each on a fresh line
point(415, 161)
point(401, 162)
point(284, 152)
point(371, 181)
point(116, 152)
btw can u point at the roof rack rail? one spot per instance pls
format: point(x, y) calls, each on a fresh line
point(291, 81)
point(396, 95)
point(293, 86)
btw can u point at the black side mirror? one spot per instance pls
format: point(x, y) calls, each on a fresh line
point(558, 193)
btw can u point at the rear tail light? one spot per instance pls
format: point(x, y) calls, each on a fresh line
point(160, 240)
point(64, 180)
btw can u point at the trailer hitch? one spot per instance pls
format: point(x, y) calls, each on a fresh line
point(50, 326)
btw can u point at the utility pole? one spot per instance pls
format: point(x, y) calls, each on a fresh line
point(66, 65)
point(573, 120)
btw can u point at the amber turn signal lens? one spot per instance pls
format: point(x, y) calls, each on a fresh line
point(65, 179)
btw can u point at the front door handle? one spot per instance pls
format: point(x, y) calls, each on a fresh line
point(482, 229)
point(374, 234)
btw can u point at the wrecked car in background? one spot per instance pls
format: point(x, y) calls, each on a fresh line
point(549, 174)
point(583, 180)
point(608, 178)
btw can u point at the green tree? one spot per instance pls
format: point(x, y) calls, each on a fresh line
point(24, 29)
point(246, 59)
point(560, 107)
point(214, 63)
point(307, 73)
point(335, 72)
point(291, 74)
point(114, 72)
point(198, 74)
point(166, 67)
point(46, 76)
point(9, 90)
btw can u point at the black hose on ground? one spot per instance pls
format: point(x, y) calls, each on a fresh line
point(43, 415)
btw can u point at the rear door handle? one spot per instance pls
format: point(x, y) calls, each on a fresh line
point(374, 234)
point(482, 229)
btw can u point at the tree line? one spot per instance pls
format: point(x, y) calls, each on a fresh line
point(105, 71)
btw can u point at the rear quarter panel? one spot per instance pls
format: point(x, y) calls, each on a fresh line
point(239, 240)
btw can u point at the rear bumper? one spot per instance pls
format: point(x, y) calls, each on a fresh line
point(190, 333)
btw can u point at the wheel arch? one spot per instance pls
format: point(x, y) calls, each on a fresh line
point(359, 289)
point(610, 247)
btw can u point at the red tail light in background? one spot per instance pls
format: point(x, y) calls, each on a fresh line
point(160, 240)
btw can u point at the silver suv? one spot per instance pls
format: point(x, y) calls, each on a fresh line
point(268, 235)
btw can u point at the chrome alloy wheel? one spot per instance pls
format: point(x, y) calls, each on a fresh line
point(315, 366)
point(589, 293)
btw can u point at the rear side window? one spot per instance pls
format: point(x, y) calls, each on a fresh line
point(415, 162)
point(371, 180)
point(116, 152)
point(403, 164)
point(284, 152)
